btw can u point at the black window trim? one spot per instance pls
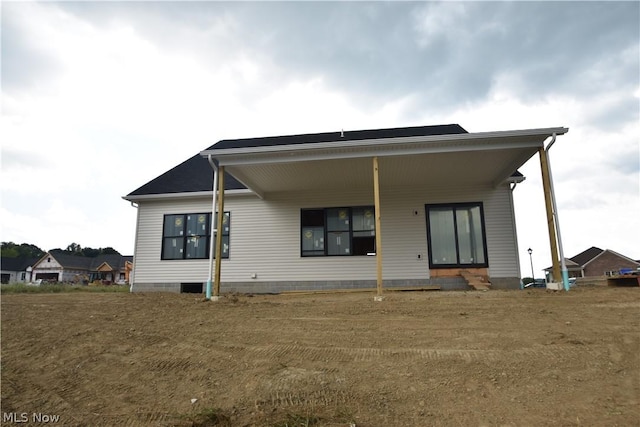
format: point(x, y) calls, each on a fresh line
point(326, 231)
point(433, 266)
point(209, 236)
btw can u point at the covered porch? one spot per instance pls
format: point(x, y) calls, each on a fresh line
point(382, 167)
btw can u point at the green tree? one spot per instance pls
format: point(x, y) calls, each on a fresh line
point(109, 251)
point(74, 248)
point(26, 250)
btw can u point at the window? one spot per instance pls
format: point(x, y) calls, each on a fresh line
point(338, 231)
point(456, 235)
point(187, 236)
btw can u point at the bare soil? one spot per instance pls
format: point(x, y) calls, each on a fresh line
point(507, 358)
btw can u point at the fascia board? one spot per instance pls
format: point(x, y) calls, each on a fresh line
point(338, 144)
point(186, 195)
point(379, 151)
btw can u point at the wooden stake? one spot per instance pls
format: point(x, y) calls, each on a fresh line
point(553, 239)
point(376, 196)
point(219, 226)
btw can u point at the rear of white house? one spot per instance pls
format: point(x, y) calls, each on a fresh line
point(300, 212)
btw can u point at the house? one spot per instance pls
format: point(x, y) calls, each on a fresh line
point(400, 207)
point(595, 262)
point(16, 270)
point(58, 266)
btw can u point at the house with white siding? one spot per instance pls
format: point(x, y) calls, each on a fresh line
point(16, 270)
point(60, 267)
point(427, 206)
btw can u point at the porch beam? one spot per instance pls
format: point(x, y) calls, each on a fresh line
point(376, 196)
point(301, 154)
point(517, 137)
point(553, 239)
point(219, 227)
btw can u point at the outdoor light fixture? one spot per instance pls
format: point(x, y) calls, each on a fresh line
point(531, 260)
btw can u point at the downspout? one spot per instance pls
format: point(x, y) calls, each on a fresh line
point(213, 222)
point(565, 272)
point(135, 249)
point(512, 186)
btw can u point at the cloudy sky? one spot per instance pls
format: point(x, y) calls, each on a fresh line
point(98, 98)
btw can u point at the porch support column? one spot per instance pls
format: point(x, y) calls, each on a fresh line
point(219, 227)
point(376, 196)
point(553, 239)
point(214, 209)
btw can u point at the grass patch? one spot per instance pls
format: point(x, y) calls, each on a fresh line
point(21, 288)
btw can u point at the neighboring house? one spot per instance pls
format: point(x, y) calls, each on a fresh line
point(57, 266)
point(16, 270)
point(300, 211)
point(595, 262)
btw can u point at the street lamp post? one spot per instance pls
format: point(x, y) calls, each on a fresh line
point(531, 260)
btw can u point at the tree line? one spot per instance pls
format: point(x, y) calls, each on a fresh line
point(27, 250)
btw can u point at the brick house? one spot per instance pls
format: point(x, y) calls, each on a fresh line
point(595, 262)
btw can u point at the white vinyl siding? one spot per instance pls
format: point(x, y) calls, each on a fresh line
point(265, 236)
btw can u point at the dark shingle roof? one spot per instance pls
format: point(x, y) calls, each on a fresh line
point(584, 257)
point(194, 174)
point(355, 135)
point(88, 263)
point(17, 264)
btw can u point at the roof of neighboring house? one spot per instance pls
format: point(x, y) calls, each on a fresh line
point(75, 262)
point(192, 175)
point(16, 264)
point(356, 135)
point(584, 257)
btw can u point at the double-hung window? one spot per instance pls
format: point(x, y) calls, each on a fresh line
point(187, 236)
point(456, 235)
point(338, 231)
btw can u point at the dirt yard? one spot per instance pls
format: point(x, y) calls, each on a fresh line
point(507, 358)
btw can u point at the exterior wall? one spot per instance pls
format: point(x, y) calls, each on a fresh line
point(11, 276)
point(47, 266)
point(50, 265)
point(265, 241)
point(605, 262)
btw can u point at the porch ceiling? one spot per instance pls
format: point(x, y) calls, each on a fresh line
point(486, 158)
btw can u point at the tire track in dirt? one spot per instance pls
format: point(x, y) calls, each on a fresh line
point(129, 420)
point(366, 354)
point(168, 365)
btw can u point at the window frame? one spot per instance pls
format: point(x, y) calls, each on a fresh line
point(207, 236)
point(454, 207)
point(324, 252)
